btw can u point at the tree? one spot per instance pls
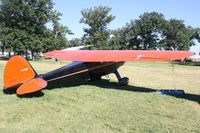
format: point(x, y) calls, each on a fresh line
point(97, 19)
point(143, 33)
point(194, 34)
point(153, 31)
point(119, 39)
point(59, 31)
point(176, 36)
point(24, 19)
point(24, 26)
point(146, 30)
point(74, 42)
point(1, 39)
point(135, 41)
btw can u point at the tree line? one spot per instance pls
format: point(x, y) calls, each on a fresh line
point(23, 28)
point(150, 31)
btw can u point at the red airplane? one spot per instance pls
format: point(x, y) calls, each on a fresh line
point(21, 78)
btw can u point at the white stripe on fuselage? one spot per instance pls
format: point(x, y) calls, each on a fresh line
point(85, 70)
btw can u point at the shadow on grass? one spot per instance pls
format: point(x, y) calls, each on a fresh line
point(190, 97)
point(187, 63)
point(32, 95)
point(106, 84)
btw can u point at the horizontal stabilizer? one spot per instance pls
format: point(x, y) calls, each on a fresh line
point(31, 86)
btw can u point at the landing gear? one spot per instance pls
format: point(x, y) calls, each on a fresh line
point(121, 81)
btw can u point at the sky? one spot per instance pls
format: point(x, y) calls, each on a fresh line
point(125, 10)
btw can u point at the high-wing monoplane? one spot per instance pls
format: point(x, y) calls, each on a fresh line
point(21, 78)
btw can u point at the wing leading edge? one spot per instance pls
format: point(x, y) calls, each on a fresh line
point(117, 55)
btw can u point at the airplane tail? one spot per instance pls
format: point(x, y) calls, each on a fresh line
point(20, 77)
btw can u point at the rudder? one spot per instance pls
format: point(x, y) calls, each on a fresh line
point(17, 71)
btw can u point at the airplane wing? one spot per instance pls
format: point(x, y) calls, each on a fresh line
point(117, 55)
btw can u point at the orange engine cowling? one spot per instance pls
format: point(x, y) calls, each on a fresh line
point(19, 73)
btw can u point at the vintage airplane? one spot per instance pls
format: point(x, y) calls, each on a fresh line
point(21, 78)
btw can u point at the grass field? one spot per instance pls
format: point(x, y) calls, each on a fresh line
point(101, 106)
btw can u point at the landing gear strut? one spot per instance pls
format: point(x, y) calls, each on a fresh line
point(121, 81)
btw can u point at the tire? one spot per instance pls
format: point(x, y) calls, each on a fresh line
point(123, 81)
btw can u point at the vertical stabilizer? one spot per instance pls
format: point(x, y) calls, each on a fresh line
point(17, 71)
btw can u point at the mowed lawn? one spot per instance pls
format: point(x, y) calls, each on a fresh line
point(101, 106)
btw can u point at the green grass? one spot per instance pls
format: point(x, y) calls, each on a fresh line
point(101, 106)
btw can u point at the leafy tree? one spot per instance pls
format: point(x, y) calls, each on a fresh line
point(24, 19)
point(7, 39)
point(194, 34)
point(74, 42)
point(59, 31)
point(176, 36)
point(153, 31)
point(142, 33)
point(146, 30)
point(97, 19)
point(135, 41)
point(24, 26)
point(119, 39)
point(1, 39)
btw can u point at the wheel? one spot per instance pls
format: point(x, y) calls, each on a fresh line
point(123, 81)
